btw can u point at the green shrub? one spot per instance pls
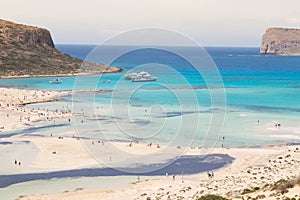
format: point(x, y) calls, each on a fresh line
point(212, 197)
point(283, 185)
point(256, 188)
point(247, 191)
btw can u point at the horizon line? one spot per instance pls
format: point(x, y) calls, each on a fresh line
point(220, 46)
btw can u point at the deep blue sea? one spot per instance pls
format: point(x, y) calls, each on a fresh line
point(181, 107)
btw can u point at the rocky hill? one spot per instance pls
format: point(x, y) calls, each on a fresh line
point(30, 51)
point(281, 41)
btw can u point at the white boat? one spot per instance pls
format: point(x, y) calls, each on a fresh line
point(130, 76)
point(55, 81)
point(144, 79)
point(140, 77)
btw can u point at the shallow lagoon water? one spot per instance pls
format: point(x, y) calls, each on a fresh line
point(178, 107)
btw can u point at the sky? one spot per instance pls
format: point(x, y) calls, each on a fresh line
point(208, 22)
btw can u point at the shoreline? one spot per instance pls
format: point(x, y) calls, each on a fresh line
point(117, 70)
point(16, 116)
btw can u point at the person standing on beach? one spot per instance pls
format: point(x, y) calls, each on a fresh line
point(223, 140)
point(210, 174)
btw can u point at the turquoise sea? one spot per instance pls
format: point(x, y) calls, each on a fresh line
point(259, 92)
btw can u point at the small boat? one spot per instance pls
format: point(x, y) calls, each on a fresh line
point(55, 81)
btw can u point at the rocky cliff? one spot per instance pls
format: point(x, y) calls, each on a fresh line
point(30, 51)
point(281, 41)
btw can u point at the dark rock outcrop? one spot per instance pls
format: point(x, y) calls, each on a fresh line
point(281, 41)
point(30, 51)
point(12, 33)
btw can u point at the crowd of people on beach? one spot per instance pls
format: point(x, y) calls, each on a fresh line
point(13, 107)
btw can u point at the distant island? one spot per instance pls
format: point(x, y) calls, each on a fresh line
point(27, 51)
point(281, 41)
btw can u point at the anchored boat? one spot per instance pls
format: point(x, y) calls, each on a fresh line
point(140, 77)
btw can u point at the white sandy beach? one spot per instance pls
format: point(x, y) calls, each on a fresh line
point(14, 116)
point(252, 168)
